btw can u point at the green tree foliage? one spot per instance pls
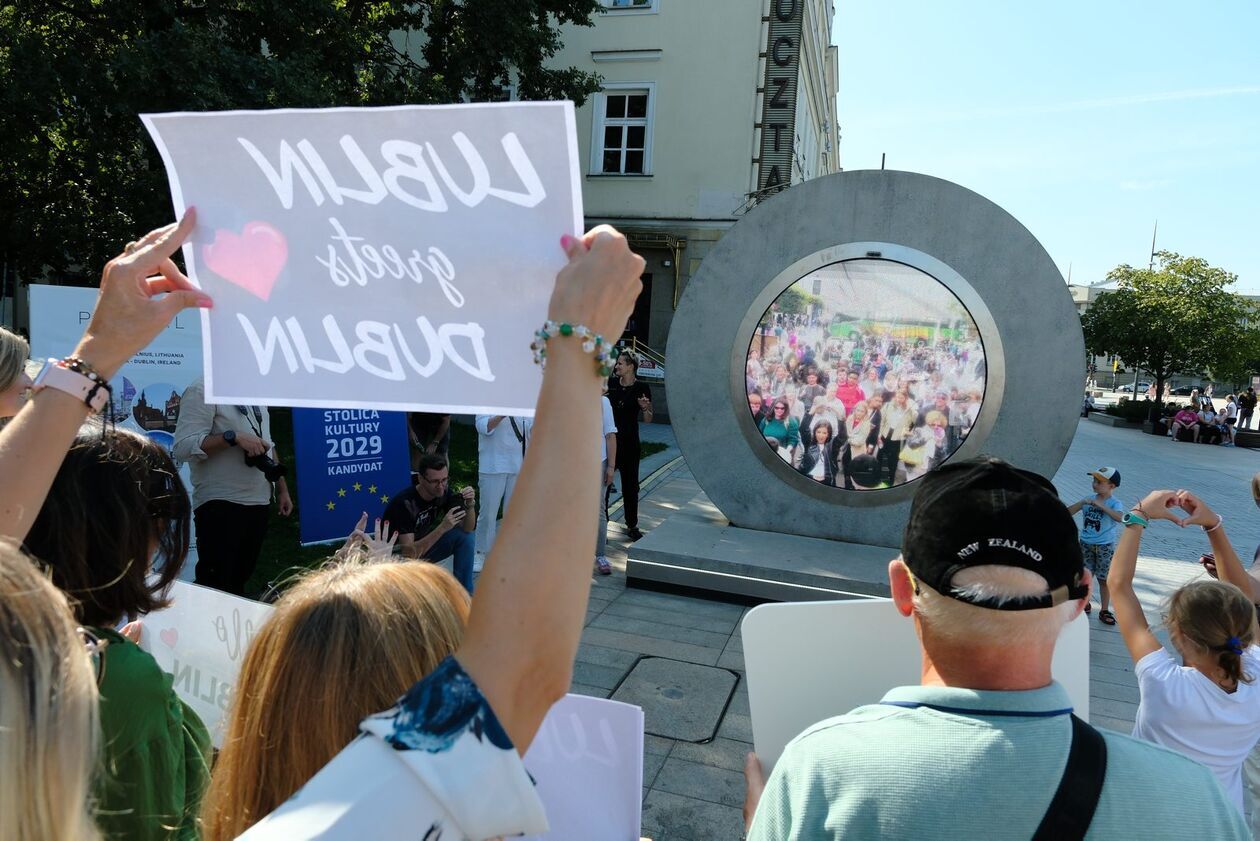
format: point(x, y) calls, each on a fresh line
point(80, 176)
point(1178, 317)
point(794, 301)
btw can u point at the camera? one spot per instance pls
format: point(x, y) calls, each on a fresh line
point(269, 468)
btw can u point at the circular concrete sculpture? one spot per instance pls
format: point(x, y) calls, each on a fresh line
point(841, 226)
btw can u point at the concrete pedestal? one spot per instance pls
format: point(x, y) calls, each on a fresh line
point(697, 548)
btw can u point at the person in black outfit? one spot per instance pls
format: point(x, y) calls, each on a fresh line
point(631, 400)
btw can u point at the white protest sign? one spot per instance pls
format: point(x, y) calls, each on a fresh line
point(809, 661)
point(587, 761)
point(201, 641)
point(387, 258)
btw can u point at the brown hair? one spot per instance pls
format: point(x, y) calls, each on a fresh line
point(116, 497)
point(1218, 617)
point(431, 461)
point(345, 642)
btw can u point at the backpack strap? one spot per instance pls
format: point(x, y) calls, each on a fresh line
point(1072, 809)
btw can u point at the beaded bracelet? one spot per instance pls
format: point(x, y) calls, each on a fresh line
point(592, 342)
point(1219, 520)
point(84, 368)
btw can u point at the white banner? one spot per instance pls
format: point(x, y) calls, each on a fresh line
point(384, 258)
point(147, 390)
point(201, 640)
point(845, 654)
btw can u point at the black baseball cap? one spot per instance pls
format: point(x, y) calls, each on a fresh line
point(865, 470)
point(984, 511)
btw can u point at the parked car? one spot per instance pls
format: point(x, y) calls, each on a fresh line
point(1182, 391)
point(1127, 388)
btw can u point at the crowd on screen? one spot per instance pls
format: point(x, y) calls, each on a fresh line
point(862, 407)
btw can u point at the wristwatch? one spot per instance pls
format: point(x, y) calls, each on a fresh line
point(1131, 519)
point(230, 437)
point(88, 387)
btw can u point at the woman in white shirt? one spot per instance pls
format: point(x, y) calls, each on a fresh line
point(1208, 705)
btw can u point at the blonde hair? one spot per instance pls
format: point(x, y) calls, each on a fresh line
point(345, 642)
point(959, 622)
point(49, 731)
point(13, 353)
point(1215, 617)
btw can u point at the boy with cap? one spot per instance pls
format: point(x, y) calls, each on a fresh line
point(1103, 513)
point(985, 746)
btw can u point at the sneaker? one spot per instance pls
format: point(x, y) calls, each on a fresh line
point(479, 561)
point(635, 534)
point(602, 565)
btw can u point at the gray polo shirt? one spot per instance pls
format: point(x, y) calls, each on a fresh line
point(223, 475)
point(976, 764)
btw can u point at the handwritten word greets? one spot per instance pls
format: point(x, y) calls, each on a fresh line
point(201, 640)
point(395, 258)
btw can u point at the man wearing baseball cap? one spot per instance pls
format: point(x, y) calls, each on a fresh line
point(986, 745)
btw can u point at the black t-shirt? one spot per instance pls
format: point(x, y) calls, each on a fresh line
point(407, 513)
point(625, 406)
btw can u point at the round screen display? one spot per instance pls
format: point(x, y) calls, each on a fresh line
point(865, 374)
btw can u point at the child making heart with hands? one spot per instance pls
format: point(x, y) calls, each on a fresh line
point(1208, 705)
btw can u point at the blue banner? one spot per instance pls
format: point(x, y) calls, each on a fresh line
point(348, 461)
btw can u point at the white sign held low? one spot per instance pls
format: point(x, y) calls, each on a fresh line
point(845, 654)
point(587, 760)
point(201, 641)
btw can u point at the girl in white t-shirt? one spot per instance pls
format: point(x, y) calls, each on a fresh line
point(1207, 706)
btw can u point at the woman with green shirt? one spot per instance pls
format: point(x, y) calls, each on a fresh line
point(117, 502)
point(783, 428)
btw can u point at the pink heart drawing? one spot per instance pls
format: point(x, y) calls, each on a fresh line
point(170, 636)
point(252, 260)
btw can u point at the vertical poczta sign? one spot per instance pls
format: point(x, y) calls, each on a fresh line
point(778, 113)
point(349, 461)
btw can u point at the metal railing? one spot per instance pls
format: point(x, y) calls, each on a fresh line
point(645, 353)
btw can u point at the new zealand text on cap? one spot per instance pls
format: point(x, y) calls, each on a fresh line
point(984, 512)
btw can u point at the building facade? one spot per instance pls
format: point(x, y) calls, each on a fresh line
point(707, 106)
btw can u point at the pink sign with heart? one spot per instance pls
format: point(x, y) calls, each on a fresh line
point(252, 259)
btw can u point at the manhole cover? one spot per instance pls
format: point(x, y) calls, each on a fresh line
point(680, 700)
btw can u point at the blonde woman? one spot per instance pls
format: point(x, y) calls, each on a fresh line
point(345, 642)
point(14, 381)
point(861, 438)
point(48, 704)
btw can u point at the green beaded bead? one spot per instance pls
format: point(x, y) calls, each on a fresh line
point(566, 329)
point(605, 371)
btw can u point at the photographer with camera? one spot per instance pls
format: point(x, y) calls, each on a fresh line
point(232, 461)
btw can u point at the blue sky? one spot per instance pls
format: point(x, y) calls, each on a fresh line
point(1086, 121)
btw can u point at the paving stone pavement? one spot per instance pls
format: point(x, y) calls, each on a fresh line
point(694, 792)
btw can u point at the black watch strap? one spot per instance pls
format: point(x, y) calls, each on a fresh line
point(230, 437)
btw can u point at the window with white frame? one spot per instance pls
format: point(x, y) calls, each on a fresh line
point(622, 142)
point(630, 5)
